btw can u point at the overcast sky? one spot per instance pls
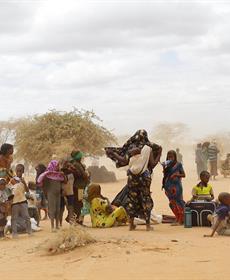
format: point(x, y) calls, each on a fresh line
point(135, 63)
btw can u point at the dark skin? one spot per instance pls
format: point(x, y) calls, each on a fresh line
point(5, 160)
point(19, 173)
point(136, 151)
point(124, 160)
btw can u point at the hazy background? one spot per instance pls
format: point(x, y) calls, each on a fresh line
point(135, 63)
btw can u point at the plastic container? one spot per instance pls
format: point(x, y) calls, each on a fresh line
point(187, 217)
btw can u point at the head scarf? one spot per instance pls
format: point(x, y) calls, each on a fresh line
point(53, 166)
point(76, 155)
point(94, 191)
point(138, 140)
point(52, 172)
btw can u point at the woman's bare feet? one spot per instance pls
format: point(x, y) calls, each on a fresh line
point(149, 228)
point(176, 224)
point(132, 227)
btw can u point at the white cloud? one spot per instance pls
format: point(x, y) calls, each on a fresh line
point(135, 63)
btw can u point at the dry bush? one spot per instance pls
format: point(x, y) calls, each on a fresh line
point(67, 240)
point(38, 137)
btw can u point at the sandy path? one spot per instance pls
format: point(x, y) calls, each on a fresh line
point(120, 254)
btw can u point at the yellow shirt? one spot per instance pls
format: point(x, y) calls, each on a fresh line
point(202, 191)
point(100, 217)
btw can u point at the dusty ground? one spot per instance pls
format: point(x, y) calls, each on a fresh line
point(120, 254)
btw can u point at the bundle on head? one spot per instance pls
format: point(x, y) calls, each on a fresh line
point(67, 240)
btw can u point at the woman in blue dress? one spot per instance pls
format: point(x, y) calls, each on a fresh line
point(173, 173)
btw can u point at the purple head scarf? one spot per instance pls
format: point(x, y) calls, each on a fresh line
point(52, 172)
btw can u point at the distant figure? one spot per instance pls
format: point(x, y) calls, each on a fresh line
point(213, 157)
point(205, 155)
point(225, 166)
point(179, 156)
point(203, 190)
point(200, 160)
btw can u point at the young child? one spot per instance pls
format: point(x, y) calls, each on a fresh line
point(203, 190)
point(42, 200)
point(4, 206)
point(19, 204)
point(33, 202)
point(221, 219)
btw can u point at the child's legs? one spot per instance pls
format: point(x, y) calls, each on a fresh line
point(36, 215)
point(70, 208)
point(25, 215)
point(15, 211)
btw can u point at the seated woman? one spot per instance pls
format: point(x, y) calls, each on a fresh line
point(203, 190)
point(103, 215)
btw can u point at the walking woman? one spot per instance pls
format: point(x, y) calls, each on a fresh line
point(141, 157)
point(173, 173)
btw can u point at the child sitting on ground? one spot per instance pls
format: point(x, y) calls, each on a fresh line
point(33, 202)
point(221, 219)
point(203, 190)
point(19, 204)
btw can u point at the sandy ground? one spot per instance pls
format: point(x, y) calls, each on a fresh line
point(120, 254)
